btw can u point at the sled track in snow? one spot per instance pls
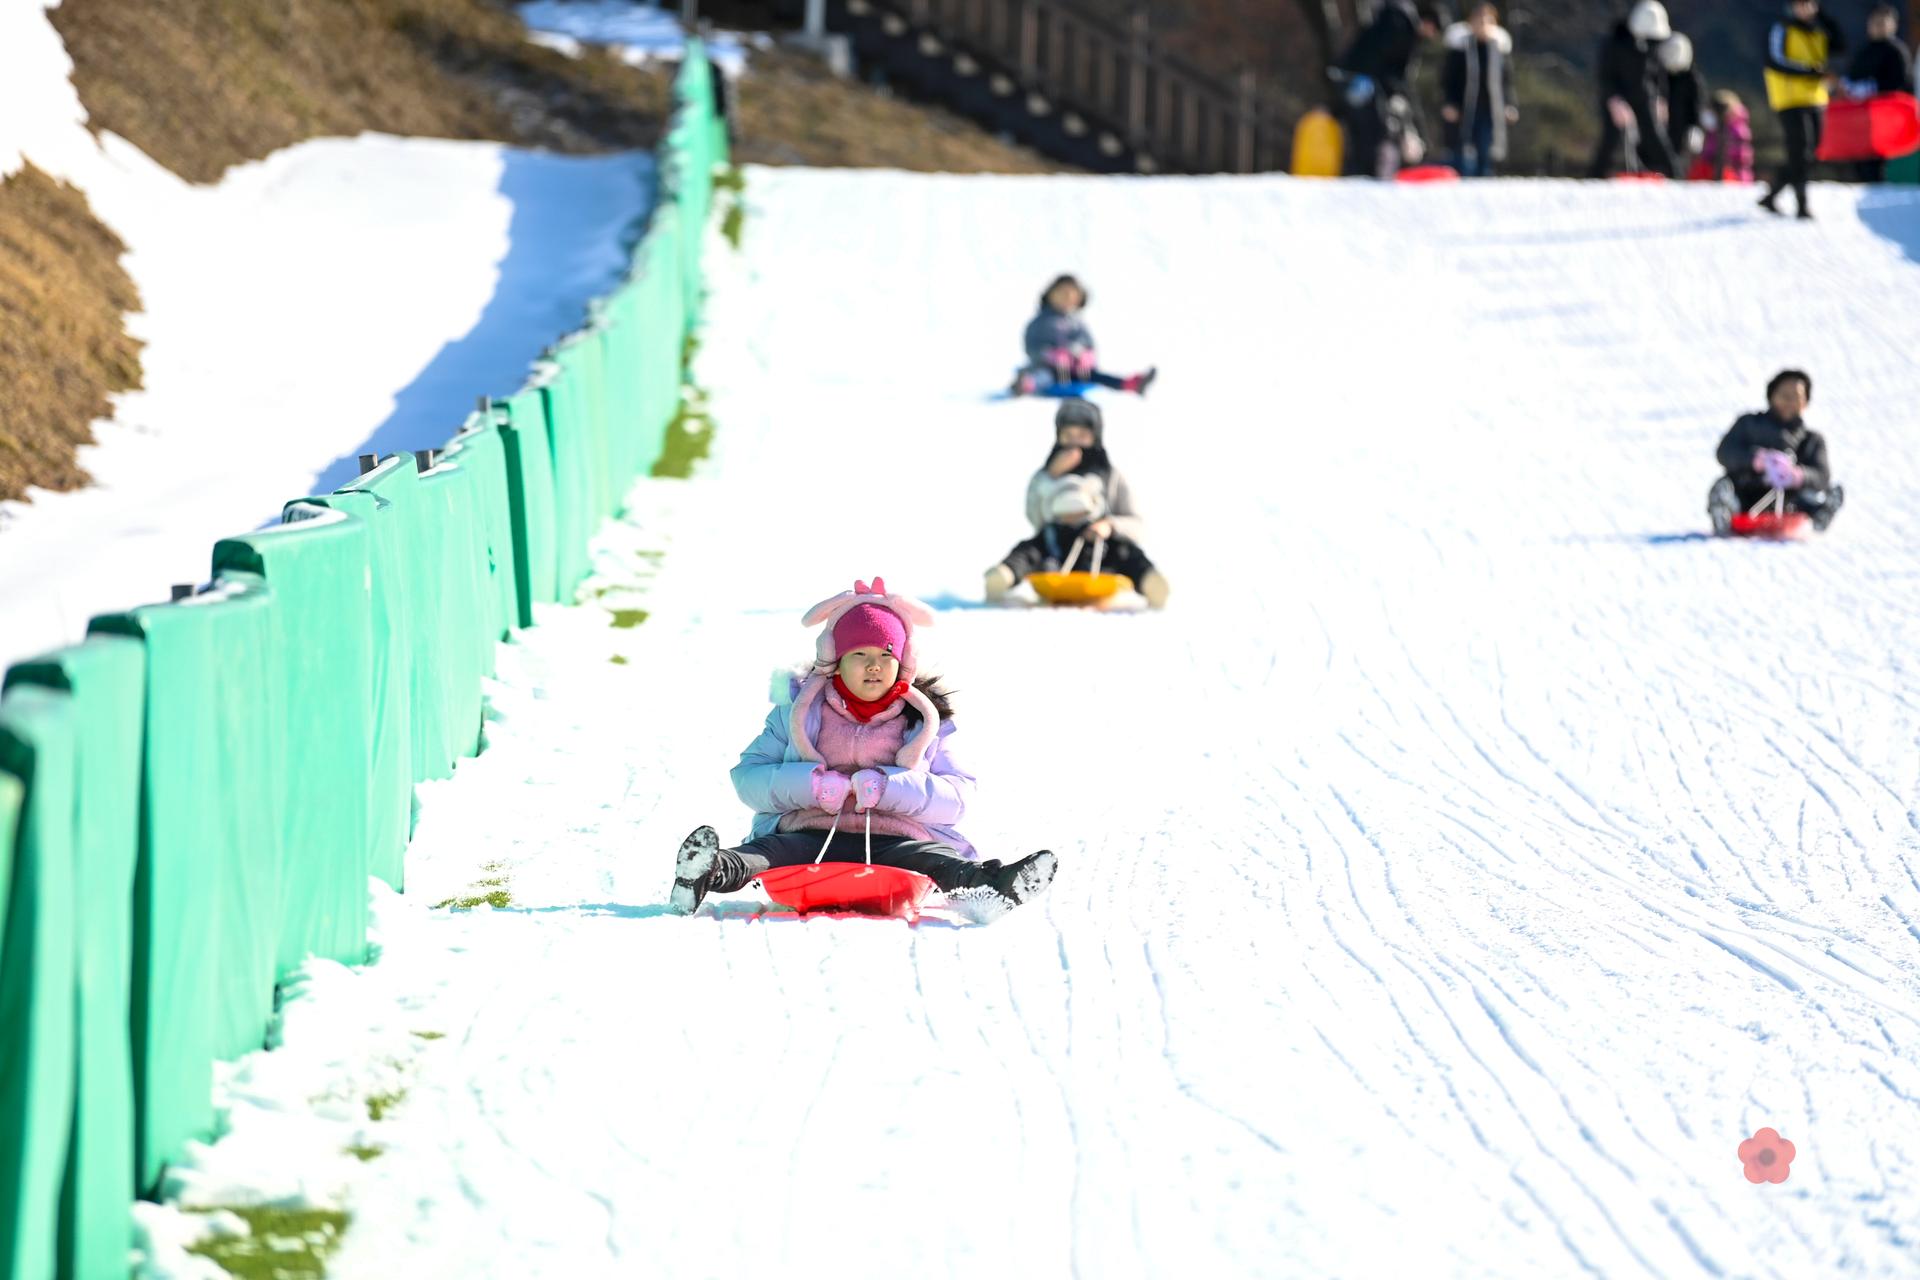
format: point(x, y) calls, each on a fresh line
point(1461, 868)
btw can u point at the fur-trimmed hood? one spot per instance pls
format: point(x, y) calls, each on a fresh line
point(1460, 36)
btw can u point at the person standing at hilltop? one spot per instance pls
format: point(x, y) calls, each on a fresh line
point(1686, 101)
point(1632, 99)
point(1479, 91)
point(1800, 49)
point(1377, 98)
point(1883, 65)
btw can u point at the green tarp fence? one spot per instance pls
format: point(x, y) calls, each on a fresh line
point(193, 798)
point(104, 679)
point(37, 747)
point(319, 570)
point(207, 889)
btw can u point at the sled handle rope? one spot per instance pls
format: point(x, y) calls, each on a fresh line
point(1775, 498)
point(828, 842)
point(1073, 556)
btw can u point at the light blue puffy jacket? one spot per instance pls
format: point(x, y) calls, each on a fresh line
point(773, 780)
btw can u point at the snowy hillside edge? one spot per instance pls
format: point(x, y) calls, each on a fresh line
point(192, 758)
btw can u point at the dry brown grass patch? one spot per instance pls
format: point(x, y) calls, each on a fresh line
point(201, 85)
point(63, 342)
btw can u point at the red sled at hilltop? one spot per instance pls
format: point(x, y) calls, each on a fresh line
point(1885, 127)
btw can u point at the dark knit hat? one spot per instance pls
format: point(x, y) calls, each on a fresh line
point(1075, 412)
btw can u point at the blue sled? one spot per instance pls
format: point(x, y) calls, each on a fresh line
point(1055, 391)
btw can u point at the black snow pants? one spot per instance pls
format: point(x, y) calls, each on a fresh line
point(940, 863)
point(1655, 155)
point(1048, 376)
point(1802, 127)
point(1372, 147)
point(1122, 556)
point(1748, 490)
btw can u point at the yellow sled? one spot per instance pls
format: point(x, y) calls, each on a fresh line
point(1085, 587)
point(1077, 588)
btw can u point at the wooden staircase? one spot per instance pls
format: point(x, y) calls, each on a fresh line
point(1073, 86)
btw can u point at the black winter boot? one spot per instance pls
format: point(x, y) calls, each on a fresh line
point(1828, 508)
point(693, 870)
point(703, 867)
point(1722, 504)
point(1006, 887)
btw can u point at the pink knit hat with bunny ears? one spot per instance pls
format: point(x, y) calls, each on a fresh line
point(865, 614)
point(869, 626)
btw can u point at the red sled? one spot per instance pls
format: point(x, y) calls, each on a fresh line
point(847, 886)
point(1427, 173)
point(1785, 526)
point(1701, 170)
point(1879, 128)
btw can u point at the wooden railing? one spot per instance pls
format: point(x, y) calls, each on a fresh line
point(1182, 118)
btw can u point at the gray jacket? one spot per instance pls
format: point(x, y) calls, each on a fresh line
point(1127, 523)
point(1462, 88)
point(1053, 329)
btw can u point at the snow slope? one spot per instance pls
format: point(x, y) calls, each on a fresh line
point(340, 296)
point(1463, 866)
point(639, 33)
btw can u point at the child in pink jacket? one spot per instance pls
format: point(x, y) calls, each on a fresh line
point(859, 756)
point(1727, 153)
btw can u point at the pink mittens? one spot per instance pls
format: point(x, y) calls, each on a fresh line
point(1781, 470)
point(830, 789)
point(1083, 364)
point(868, 786)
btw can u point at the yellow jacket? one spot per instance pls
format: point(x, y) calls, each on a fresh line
point(1797, 57)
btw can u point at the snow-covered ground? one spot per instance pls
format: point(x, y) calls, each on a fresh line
point(341, 296)
point(639, 33)
point(1464, 865)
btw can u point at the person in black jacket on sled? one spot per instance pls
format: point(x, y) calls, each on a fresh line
point(1763, 452)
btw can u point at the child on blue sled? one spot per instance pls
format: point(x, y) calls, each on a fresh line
point(1060, 349)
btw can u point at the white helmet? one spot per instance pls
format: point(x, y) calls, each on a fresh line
point(1648, 21)
point(1676, 54)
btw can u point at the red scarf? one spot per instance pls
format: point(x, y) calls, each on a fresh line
point(865, 711)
